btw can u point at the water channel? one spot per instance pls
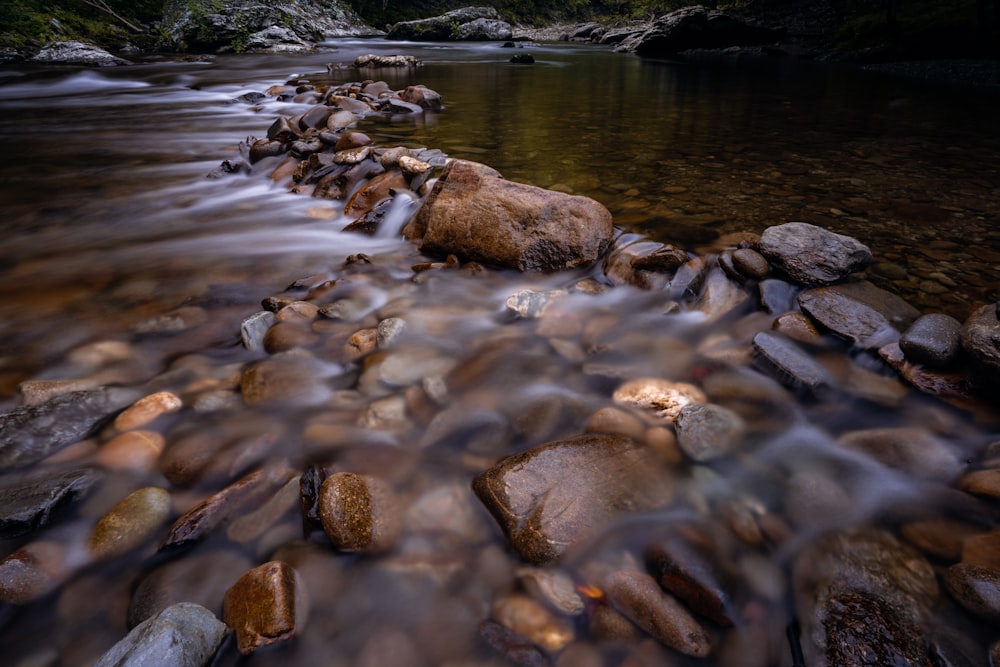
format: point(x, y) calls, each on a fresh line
point(110, 221)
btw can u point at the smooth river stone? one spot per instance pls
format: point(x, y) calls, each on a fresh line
point(29, 501)
point(533, 621)
point(975, 587)
point(640, 599)
point(184, 635)
point(29, 434)
point(691, 572)
point(359, 512)
point(665, 397)
point(266, 606)
point(910, 449)
point(129, 523)
point(706, 431)
point(554, 495)
point(812, 255)
point(981, 339)
point(790, 365)
point(934, 340)
point(860, 312)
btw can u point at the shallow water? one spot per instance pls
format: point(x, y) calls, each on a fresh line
point(110, 222)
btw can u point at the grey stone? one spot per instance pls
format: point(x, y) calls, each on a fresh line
point(975, 587)
point(860, 312)
point(706, 431)
point(934, 340)
point(183, 635)
point(254, 328)
point(552, 496)
point(29, 501)
point(29, 434)
point(76, 53)
point(981, 339)
point(778, 296)
point(790, 365)
point(468, 23)
point(812, 255)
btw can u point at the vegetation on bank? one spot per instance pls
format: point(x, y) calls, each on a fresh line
point(880, 29)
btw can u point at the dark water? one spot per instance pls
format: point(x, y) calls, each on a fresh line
point(109, 220)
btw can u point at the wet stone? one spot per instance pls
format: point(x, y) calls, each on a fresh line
point(984, 483)
point(551, 496)
point(359, 512)
point(32, 572)
point(147, 409)
point(29, 434)
point(284, 381)
point(706, 431)
point(934, 340)
point(981, 339)
point(982, 549)
point(859, 312)
point(640, 599)
point(812, 255)
point(939, 538)
point(267, 605)
point(778, 296)
point(975, 587)
point(30, 501)
point(183, 634)
point(692, 574)
point(910, 449)
point(531, 620)
point(666, 398)
point(130, 523)
point(389, 331)
point(133, 450)
point(751, 263)
point(791, 366)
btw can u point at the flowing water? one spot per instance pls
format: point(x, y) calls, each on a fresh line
point(110, 222)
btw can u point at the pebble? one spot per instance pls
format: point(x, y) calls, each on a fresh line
point(137, 450)
point(359, 512)
point(529, 619)
point(664, 397)
point(130, 523)
point(975, 587)
point(910, 449)
point(934, 339)
point(267, 605)
point(640, 599)
point(33, 500)
point(147, 409)
point(185, 634)
point(706, 431)
point(790, 365)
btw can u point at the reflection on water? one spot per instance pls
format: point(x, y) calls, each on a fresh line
point(114, 235)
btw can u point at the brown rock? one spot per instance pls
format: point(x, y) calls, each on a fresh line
point(910, 449)
point(665, 397)
point(982, 549)
point(551, 496)
point(147, 409)
point(359, 512)
point(939, 538)
point(376, 189)
point(533, 621)
point(691, 572)
point(267, 605)
point(640, 599)
point(473, 213)
point(975, 587)
point(129, 523)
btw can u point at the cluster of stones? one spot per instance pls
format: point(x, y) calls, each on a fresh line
point(807, 335)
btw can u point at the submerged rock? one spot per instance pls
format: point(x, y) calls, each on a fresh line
point(864, 314)
point(29, 501)
point(185, 635)
point(267, 605)
point(552, 496)
point(472, 212)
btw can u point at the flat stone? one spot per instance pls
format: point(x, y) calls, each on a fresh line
point(146, 409)
point(183, 635)
point(910, 449)
point(812, 255)
point(860, 312)
point(533, 621)
point(692, 573)
point(267, 605)
point(934, 340)
point(31, 433)
point(790, 365)
point(664, 397)
point(706, 431)
point(33, 500)
point(640, 599)
point(552, 496)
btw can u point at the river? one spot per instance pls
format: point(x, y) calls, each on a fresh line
point(111, 221)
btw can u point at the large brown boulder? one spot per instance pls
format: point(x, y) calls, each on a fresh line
point(474, 213)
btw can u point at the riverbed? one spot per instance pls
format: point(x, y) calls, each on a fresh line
point(129, 259)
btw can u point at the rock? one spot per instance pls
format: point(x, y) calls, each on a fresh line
point(934, 340)
point(640, 599)
point(644, 264)
point(778, 296)
point(975, 587)
point(666, 398)
point(32, 572)
point(30, 501)
point(696, 28)
point(531, 620)
point(532, 304)
point(422, 96)
point(787, 363)
point(719, 296)
point(522, 58)
point(267, 605)
point(284, 381)
point(692, 573)
point(253, 329)
point(514, 225)
point(981, 340)
point(212, 25)
point(147, 409)
point(76, 53)
point(862, 596)
point(183, 635)
point(129, 523)
point(31, 433)
point(812, 255)
point(201, 578)
point(910, 449)
point(706, 431)
point(860, 312)
point(359, 512)
point(552, 496)
point(751, 263)
point(469, 23)
point(383, 60)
